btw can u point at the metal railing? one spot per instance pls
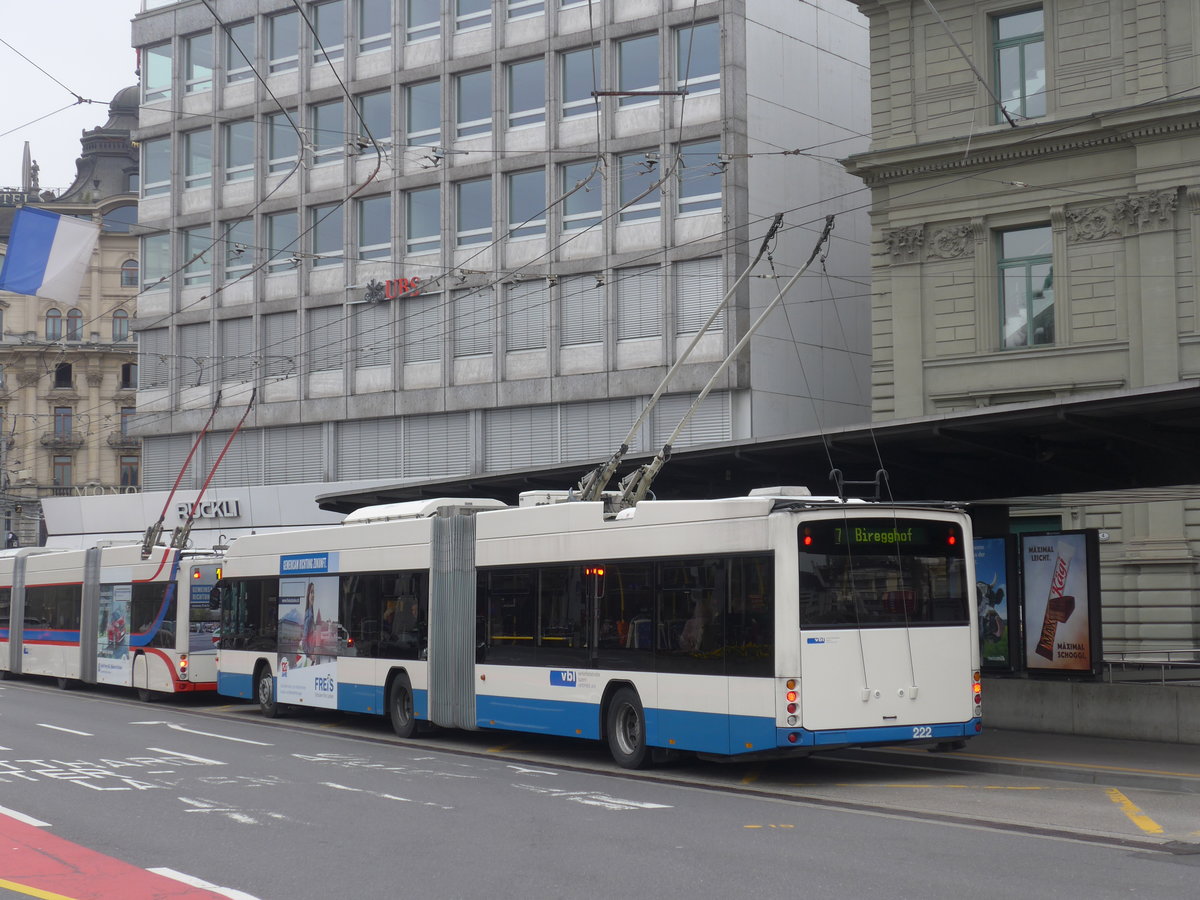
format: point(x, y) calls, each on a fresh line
point(1174, 665)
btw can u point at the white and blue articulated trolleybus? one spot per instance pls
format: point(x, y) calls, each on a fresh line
point(109, 615)
point(764, 624)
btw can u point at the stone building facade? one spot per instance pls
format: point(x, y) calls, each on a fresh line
point(1035, 177)
point(69, 370)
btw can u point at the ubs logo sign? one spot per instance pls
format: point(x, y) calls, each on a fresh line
point(212, 509)
point(392, 289)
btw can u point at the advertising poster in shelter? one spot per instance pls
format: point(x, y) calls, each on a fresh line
point(997, 627)
point(308, 640)
point(1060, 574)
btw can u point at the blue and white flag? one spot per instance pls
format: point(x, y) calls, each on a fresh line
point(48, 254)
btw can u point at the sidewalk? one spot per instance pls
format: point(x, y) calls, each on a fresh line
point(1147, 764)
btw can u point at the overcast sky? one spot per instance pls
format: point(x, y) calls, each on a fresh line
point(82, 43)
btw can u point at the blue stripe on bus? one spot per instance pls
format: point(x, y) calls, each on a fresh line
point(538, 716)
point(231, 685)
point(50, 636)
point(891, 734)
point(359, 698)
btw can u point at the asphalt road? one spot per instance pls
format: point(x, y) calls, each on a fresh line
point(318, 806)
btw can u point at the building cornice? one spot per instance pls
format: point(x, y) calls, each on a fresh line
point(1029, 142)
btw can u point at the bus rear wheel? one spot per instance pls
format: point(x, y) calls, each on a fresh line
point(400, 708)
point(264, 690)
point(627, 730)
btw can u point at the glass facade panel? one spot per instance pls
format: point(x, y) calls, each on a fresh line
point(328, 21)
point(197, 162)
point(473, 211)
point(473, 102)
point(198, 52)
point(240, 50)
point(527, 93)
point(328, 133)
point(423, 219)
point(637, 62)
point(239, 150)
point(283, 144)
point(580, 76)
point(424, 116)
point(326, 234)
point(283, 39)
point(282, 233)
point(641, 195)
point(1020, 63)
point(700, 173)
point(374, 25)
point(375, 227)
point(698, 58)
point(424, 20)
point(156, 166)
point(1026, 277)
point(156, 73)
point(527, 204)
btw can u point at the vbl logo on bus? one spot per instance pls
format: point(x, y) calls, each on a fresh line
point(562, 678)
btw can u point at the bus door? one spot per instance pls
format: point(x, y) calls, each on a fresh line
point(884, 623)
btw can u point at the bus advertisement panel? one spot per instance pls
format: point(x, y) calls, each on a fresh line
point(1061, 580)
point(308, 640)
point(113, 662)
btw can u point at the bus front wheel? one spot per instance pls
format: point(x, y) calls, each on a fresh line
point(264, 690)
point(400, 708)
point(627, 730)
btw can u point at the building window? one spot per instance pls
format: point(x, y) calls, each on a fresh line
point(54, 324)
point(527, 204)
point(283, 230)
point(120, 325)
point(423, 220)
point(581, 186)
point(239, 150)
point(198, 58)
point(63, 376)
point(424, 20)
point(156, 261)
point(197, 255)
point(330, 26)
point(521, 9)
point(328, 133)
point(699, 287)
point(283, 42)
point(424, 112)
point(639, 303)
point(473, 103)
point(375, 119)
point(473, 211)
point(580, 76)
point(119, 220)
point(62, 421)
point(129, 273)
point(129, 471)
point(128, 378)
point(640, 195)
point(156, 73)
point(527, 315)
point(197, 165)
point(700, 171)
point(75, 325)
point(375, 227)
point(63, 476)
point(472, 14)
point(374, 25)
point(422, 328)
point(240, 51)
point(325, 226)
point(1027, 287)
point(527, 93)
point(239, 248)
point(473, 332)
point(283, 144)
point(637, 63)
point(1020, 62)
point(581, 309)
point(127, 414)
point(698, 58)
point(156, 166)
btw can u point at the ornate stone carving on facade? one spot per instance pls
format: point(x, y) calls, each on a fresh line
point(1092, 223)
point(95, 379)
point(951, 242)
point(1149, 211)
point(29, 379)
point(904, 244)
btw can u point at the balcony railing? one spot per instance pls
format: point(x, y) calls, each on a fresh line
point(62, 441)
point(124, 441)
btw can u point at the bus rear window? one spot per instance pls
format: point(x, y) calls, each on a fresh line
point(863, 573)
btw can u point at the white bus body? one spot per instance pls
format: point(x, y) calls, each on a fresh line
point(106, 616)
point(759, 624)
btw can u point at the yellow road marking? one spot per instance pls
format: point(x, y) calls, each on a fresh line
point(768, 826)
point(500, 749)
point(1050, 762)
point(751, 776)
point(32, 891)
point(1136, 816)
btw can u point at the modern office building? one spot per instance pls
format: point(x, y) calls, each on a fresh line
point(440, 238)
point(1036, 229)
point(68, 371)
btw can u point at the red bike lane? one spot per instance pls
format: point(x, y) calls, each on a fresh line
point(35, 863)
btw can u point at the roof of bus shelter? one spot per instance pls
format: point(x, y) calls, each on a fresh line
point(1143, 440)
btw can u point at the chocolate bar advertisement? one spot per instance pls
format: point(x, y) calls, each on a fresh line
point(1060, 577)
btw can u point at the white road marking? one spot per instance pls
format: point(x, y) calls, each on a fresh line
point(343, 787)
point(21, 817)
point(207, 806)
point(198, 759)
point(201, 883)
point(594, 798)
point(68, 730)
point(223, 737)
point(521, 770)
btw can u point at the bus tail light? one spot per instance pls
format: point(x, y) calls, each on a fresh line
point(977, 688)
point(183, 665)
